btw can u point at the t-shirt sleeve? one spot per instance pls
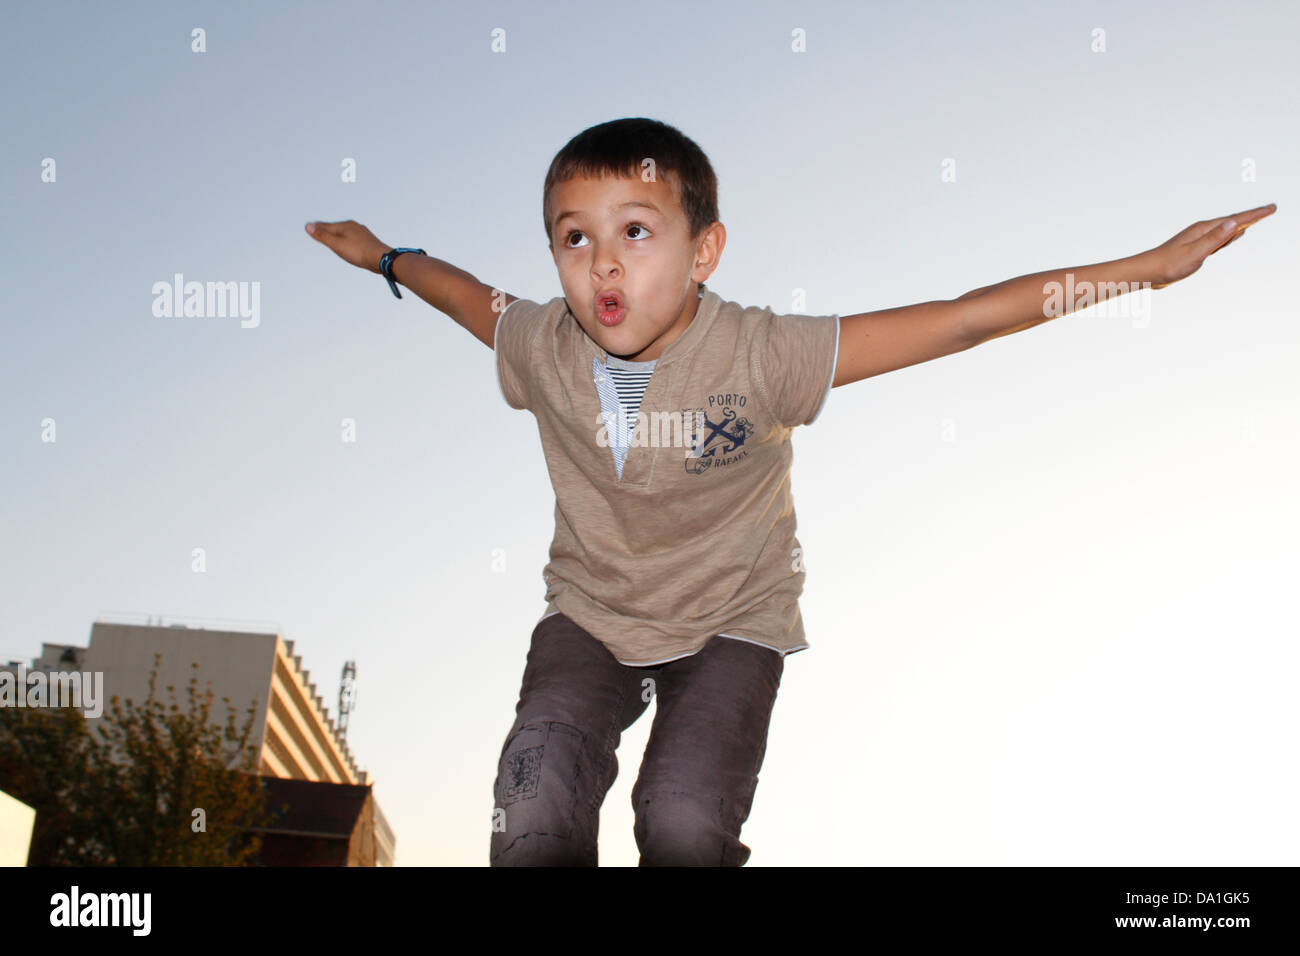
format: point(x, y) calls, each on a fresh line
point(516, 332)
point(794, 363)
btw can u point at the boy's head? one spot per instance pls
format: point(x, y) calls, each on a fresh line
point(630, 209)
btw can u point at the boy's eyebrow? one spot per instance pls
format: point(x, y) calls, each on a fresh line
point(623, 205)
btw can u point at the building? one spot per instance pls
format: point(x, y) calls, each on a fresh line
point(294, 735)
point(326, 824)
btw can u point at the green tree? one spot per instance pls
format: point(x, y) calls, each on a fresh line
point(126, 793)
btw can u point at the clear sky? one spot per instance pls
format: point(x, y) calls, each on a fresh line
point(1047, 577)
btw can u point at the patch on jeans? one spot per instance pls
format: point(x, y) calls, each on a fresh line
point(523, 771)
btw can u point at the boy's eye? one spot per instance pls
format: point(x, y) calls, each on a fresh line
point(568, 240)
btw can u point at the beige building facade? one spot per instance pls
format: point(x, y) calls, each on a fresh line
point(292, 729)
point(294, 734)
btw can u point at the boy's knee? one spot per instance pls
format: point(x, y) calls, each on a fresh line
point(677, 828)
point(538, 817)
point(519, 775)
point(539, 771)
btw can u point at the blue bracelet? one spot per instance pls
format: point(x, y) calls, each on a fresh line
point(386, 265)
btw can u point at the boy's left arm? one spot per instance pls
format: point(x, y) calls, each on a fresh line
point(871, 343)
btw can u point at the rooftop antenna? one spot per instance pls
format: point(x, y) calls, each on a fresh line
point(347, 696)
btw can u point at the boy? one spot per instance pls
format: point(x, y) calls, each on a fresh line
point(665, 415)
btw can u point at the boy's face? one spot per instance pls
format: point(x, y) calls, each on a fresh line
point(643, 252)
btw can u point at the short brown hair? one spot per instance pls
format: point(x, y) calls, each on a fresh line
point(617, 148)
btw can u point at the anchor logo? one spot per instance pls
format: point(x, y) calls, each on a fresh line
point(725, 437)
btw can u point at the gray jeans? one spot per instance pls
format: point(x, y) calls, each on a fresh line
point(700, 766)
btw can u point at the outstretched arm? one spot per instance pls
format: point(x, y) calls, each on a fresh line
point(473, 304)
point(876, 342)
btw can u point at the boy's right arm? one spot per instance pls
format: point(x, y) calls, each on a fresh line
point(473, 305)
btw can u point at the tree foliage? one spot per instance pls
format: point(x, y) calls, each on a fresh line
point(126, 792)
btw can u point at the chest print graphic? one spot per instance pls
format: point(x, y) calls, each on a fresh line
point(716, 433)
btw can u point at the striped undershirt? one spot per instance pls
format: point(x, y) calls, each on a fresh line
point(621, 386)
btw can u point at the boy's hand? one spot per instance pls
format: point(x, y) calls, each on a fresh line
point(1183, 254)
point(352, 241)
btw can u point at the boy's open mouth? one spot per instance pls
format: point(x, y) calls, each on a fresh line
point(609, 308)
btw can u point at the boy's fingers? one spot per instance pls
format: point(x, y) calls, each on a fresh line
point(323, 232)
point(1216, 238)
point(1248, 216)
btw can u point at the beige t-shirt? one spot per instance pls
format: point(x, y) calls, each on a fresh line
point(697, 537)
